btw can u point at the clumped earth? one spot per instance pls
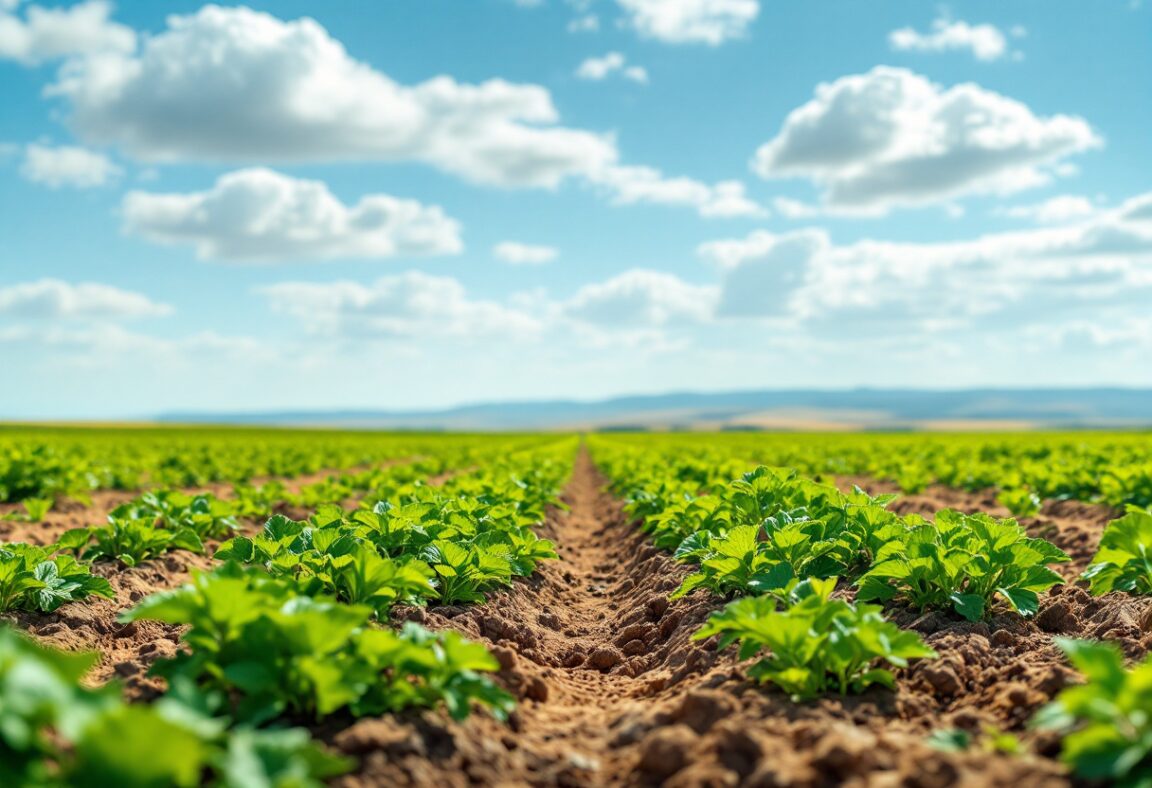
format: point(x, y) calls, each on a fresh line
point(612, 689)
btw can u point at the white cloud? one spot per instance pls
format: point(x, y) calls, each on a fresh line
point(762, 270)
point(794, 209)
point(890, 138)
point(635, 308)
point(639, 185)
point(237, 85)
point(1055, 210)
point(232, 84)
point(408, 305)
point(597, 69)
point(67, 165)
point(641, 297)
point(985, 42)
point(45, 34)
point(691, 21)
point(56, 300)
point(1038, 277)
point(261, 215)
point(517, 253)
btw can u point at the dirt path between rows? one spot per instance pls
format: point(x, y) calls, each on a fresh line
point(612, 690)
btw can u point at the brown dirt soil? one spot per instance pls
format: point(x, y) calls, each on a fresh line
point(613, 691)
point(127, 651)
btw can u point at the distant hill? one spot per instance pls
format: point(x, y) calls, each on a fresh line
point(857, 409)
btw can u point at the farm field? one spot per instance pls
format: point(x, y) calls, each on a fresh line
point(285, 607)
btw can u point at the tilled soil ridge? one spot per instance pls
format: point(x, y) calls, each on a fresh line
point(613, 690)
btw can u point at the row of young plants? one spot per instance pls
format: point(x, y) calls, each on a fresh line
point(292, 627)
point(1025, 469)
point(781, 543)
point(43, 577)
point(48, 463)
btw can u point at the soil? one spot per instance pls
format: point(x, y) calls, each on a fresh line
point(613, 690)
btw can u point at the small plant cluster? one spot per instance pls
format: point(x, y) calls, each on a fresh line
point(153, 524)
point(451, 544)
point(816, 644)
point(273, 650)
point(44, 578)
point(1124, 559)
point(963, 561)
point(1106, 722)
point(771, 528)
point(54, 732)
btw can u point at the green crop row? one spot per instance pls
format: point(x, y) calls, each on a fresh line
point(49, 463)
point(779, 543)
point(293, 623)
point(1025, 469)
point(770, 528)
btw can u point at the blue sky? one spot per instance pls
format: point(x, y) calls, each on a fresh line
point(419, 203)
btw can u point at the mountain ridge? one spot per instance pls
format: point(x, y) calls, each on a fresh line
point(798, 409)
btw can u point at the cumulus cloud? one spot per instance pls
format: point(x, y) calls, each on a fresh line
point(763, 270)
point(647, 185)
point(891, 137)
point(233, 84)
point(67, 165)
point(597, 69)
point(985, 42)
point(256, 214)
point(691, 21)
point(56, 300)
point(795, 209)
point(1055, 210)
point(517, 253)
point(641, 297)
point(408, 305)
point(635, 308)
point(1037, 276)
point(45, 34)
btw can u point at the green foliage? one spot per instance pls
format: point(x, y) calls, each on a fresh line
point(1114, 468)
point(38, 578)
point(54, 733)
point(963, 562)
point(35, 510)
point(129, 541)
point(205, 515)
point(453, 543)
point(329, 559)
point(1022, 502)
point(817, 644)
point(732, 563)
point(273, 650)
point(1106, 721)
point(1124, 559)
